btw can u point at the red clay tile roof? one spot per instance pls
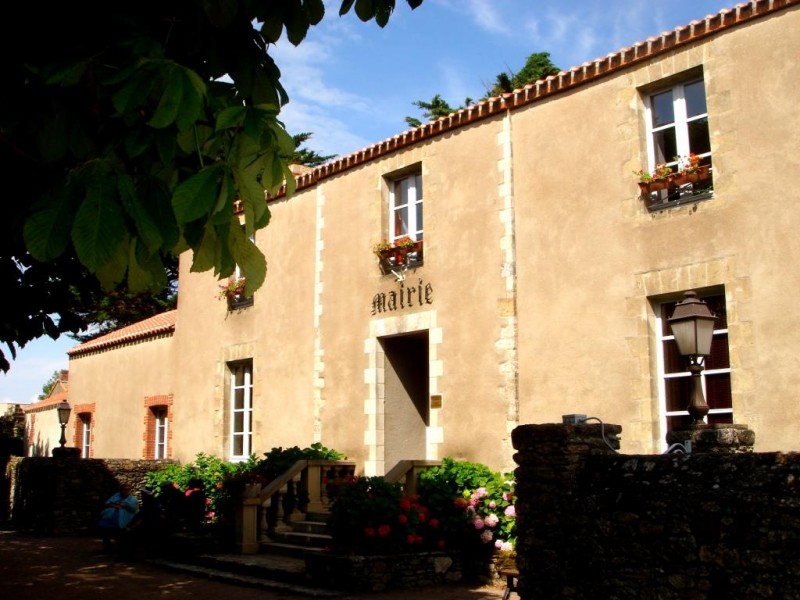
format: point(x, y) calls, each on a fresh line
point(154, 326)
point(545, 88)
point(47, 403)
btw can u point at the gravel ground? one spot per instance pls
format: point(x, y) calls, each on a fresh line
point(74, 568)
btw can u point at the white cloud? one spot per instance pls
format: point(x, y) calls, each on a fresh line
point(486, 15)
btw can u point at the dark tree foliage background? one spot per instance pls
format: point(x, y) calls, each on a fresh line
point(124, 147)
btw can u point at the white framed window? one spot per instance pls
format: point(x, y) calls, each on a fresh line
point(161, 431)
point(405, 207)
point(241, 410)
point(85, 421)
point(677, 127)
point(675, 380)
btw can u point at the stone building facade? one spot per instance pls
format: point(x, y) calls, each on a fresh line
point(539, 283)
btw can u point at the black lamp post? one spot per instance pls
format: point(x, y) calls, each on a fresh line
point(692, 325)
point(63, 408)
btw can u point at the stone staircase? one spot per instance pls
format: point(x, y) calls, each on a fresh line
point(300, 538)
point(280, 565)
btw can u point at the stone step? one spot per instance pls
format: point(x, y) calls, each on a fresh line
point(303, 538)
point(318, 527)
point(277, 548)
point(257, 571)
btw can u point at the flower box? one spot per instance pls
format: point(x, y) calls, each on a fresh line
point(400, 257)
point(700, 174)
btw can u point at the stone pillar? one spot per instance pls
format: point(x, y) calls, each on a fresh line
point(549, 458)
point(247, 526)
point(715, 439)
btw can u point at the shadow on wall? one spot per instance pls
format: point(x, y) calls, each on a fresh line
point(40, 447)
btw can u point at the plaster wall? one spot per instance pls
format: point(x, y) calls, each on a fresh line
point(592, 259)
point(276, 332)
point(112, 386)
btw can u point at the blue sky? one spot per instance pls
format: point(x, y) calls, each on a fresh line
point(351, 84)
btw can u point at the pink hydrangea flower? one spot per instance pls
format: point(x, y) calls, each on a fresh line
point(511, 511)
point(480, 493)
point(506, 547)
point(492, 520)
point(492, 504)
point(478, 523)
point(498, 544)
point(486, 536)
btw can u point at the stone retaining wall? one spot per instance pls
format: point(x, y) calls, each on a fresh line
point(66, 495)
point(596, 524)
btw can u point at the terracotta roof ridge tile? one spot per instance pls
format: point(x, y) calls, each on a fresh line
point(155, 325)
point(580, 74)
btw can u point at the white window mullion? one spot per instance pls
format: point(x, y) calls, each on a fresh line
point(241, 408)
point(681, 127)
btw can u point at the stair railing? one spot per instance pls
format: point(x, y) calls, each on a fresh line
point(407, 473)
point(306, 487)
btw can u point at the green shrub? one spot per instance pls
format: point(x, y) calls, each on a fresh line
point(210, 471)
point(221, 480)
point(372, 516)
point(461, 506)
point(466, 492)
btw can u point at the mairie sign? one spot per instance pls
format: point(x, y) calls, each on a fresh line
point(408, 296)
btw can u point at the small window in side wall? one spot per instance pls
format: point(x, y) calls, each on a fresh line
point(160, 431)
point(675, 380)
point(240, 410)
point(678, 141)
point(85, 432)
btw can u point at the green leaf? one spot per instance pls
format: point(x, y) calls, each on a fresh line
point(135, 208)
point(51, 139)
point(231, 117)
point(345, 8)
point(137, 141)
point(383, 10)
point(46, 232)
point(414, 3)
point(204, 256)
point(365, 9)
point(296, 22)
point(221, 12)
point(194, 91)
point(195, 197)
point(315, 10)
point(254, 123)
point(223, 209)
point(113, 271)
point(145, 271)
point(272, 28)
point(134, 93)
point(66, 75)
point(248, 257)
point(170, 102)
point(99, 227)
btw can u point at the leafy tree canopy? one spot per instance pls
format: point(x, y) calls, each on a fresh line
point(49, 385)
point(537, 66)
point(306, 156)
point(128, 130)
